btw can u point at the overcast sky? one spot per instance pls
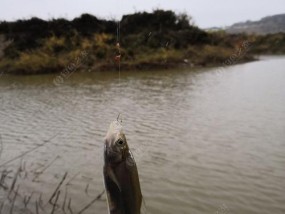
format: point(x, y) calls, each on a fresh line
point(206, 13)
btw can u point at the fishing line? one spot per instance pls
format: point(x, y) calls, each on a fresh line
point(118, 55)
point(119, 50)
point(118, 46)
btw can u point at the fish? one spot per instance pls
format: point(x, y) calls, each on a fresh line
point(120, 173)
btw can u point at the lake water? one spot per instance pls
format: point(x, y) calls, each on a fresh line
point(205, 141)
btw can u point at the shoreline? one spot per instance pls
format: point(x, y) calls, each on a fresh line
point(127, 66)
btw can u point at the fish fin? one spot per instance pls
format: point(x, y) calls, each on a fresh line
point(144, 205)
point(131, 163)
point(114, 178)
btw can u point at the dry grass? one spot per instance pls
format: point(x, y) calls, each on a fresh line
point(14, 199)
point(56, 53)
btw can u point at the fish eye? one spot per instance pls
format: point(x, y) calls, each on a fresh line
point(120, 142)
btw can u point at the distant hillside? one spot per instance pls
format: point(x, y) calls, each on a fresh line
point(267, 25)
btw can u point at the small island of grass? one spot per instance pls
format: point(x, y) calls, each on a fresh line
point(157, 40)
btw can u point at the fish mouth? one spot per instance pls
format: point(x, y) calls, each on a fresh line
point(115, 126)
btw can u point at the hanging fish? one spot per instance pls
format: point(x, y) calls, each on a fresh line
point(120, 173)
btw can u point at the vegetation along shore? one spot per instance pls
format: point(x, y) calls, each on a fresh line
point(157, 40)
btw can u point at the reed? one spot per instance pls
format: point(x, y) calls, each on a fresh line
point(15, 201)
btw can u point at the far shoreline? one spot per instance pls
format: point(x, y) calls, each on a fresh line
point(140, 67)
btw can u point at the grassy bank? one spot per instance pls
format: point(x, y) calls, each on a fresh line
point(158, 40)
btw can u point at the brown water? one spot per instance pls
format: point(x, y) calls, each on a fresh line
point(205, 141)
